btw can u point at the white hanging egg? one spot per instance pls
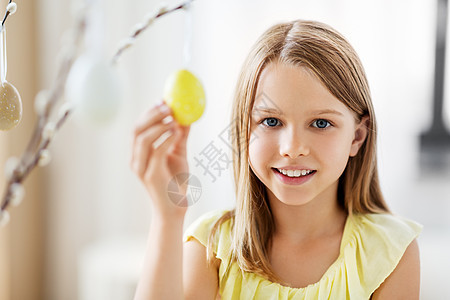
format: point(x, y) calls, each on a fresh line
point(10, 106)
point(93, 86)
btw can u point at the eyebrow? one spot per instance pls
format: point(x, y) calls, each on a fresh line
point(327, 111)
point(268, 110)
point(277, 112)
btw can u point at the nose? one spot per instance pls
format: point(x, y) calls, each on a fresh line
point(293, 144)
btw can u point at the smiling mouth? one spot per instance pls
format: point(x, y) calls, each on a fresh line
point(295, 173)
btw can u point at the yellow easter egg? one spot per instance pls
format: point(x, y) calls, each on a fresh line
point(184, 94)
point(10, 106)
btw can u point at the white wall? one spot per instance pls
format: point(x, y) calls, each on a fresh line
point(95, 202)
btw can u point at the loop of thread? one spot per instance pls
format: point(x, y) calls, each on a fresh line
point(187, 36)
point(3, 54)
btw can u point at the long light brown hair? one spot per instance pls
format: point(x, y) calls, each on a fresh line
point(333, 60)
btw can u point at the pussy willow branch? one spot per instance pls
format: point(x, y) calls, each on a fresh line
point(141, 27)
point(39, 143)
point(7, 13)
point(19, 177)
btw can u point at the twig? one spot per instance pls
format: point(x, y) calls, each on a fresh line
point(36, 150)
point(141, 27)
point(44, 130)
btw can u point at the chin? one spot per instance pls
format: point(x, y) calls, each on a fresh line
point(295, 202)
point(293, 198)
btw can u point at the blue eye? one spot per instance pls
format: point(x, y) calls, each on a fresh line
point(321, 124)
point(270, 122)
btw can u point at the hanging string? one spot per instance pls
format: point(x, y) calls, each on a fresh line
point(3, 65)
point(187, 35)
point(11, 8)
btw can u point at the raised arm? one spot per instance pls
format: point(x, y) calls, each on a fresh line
point(156, 164)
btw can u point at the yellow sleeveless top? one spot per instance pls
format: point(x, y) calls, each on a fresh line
point(371, 247)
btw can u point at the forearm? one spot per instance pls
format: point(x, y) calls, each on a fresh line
point(156, 164)
point(162, 274)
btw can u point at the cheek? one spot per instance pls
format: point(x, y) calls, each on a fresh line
point(259, 151)
point(335, 150)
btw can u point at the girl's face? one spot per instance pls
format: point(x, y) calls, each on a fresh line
point(301, 135)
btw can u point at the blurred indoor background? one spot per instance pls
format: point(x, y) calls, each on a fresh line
point(80, 232)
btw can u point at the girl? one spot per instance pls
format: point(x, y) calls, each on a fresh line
point(310, 221)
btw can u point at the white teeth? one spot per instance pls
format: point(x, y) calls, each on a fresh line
point(295, 173)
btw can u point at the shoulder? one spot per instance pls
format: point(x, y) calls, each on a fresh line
point(386, 229)
point(386, 221)
point(404, 281)
point(385, 246)
point(201, 228)
point(201, 276)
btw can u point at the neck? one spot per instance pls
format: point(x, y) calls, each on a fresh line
point(320, 217)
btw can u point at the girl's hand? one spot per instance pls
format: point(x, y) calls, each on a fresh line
point(156, 164)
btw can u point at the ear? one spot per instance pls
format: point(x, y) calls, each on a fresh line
point(360, 135)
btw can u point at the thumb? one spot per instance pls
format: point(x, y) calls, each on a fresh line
point(181, 135)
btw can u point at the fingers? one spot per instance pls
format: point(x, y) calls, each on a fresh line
point(162, 149)
point(158, 157)
point(144, 145)
point(156, 135)
point(151, 117)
